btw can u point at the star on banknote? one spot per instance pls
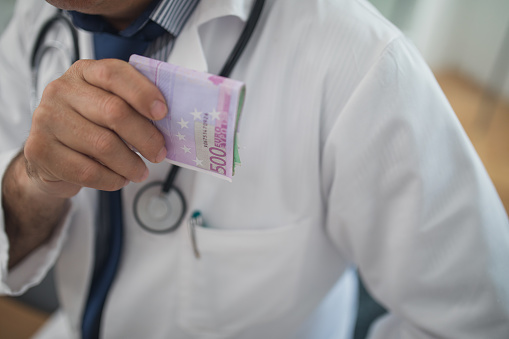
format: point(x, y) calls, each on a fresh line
point(196, 114)
point(215, 114)
point(183, 123)
point(198, 162)
point(181, 137)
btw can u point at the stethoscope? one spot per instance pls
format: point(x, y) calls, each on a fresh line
point(159, 207)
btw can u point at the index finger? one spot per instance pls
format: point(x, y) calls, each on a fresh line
point(122, 79)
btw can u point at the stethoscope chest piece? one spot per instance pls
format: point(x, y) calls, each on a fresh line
point(158, 211)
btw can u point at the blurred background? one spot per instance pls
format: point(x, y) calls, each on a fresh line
point(466, 43)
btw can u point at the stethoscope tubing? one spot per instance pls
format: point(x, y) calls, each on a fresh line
point(39, 49)
point(59, 17)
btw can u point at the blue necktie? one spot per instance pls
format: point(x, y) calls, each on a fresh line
point(109, 238)
point(106, 269)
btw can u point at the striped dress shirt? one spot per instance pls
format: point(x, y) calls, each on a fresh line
point(171, 15)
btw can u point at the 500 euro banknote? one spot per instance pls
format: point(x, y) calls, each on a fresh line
point(201, 126)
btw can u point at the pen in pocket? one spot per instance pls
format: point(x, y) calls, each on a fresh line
point(196, 220)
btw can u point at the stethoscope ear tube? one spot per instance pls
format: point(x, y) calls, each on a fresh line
point(40, 49)
point(58, 17)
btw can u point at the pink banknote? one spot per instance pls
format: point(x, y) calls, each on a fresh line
point(201, 126)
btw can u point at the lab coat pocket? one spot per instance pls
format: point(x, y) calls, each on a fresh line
point(243, 277)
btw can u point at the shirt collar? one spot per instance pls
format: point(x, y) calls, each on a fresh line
point(173, 14)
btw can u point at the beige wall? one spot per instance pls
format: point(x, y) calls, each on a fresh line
point(462, 35)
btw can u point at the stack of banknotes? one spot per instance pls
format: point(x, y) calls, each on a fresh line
point(200, 129)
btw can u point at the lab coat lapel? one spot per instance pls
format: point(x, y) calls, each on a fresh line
point(187, 50)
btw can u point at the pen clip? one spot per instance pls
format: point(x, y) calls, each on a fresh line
point(195, 220)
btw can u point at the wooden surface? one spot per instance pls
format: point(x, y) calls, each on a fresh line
point(487, 126)
point(18, 321)
point(491, 141)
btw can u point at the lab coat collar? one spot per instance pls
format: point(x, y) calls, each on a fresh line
point(209, 10)
point(187, 50)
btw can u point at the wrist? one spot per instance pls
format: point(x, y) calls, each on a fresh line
point(30, 215)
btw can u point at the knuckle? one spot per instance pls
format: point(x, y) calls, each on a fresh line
point(104, 142)
point(80, 64)
point(104, 71)
point(52, 89)
point(42, 116)
point(87, 175)
point(79, 67)
point(31, 150)
point(114, 109)
point(36, 157)
point(34, 150)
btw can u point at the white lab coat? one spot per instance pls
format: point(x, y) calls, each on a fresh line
point(350, 155)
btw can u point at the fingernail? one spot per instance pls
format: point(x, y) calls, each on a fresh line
point(161, 155)
point(158, 110)
point(145, 175)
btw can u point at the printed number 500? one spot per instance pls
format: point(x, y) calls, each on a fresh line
point(217, 161)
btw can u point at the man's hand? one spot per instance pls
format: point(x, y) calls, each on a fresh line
point(83, 122)
point(78, 139)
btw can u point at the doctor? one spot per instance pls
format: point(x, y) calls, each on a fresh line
point(351, 156)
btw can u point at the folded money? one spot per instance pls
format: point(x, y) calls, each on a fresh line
point(201, 126)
